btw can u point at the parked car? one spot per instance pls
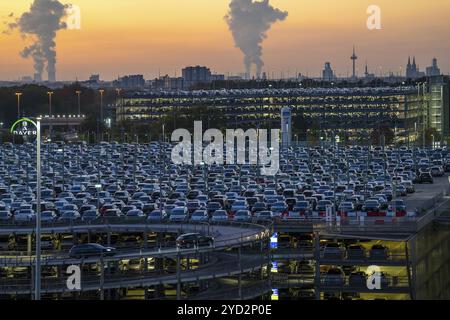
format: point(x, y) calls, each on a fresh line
point(335, 277)
point(48, 216)
point(264, 216)
point(425, 177)
point(157, 216)
point(179, 214)
point(356, 252)
point(333, 251)
point(69, 216)
point(90, 215)
point(379, 252)
point(243, 216)
point(200, 216)
point(219, 216)
point(357, 279)
point(135, 214)
point(5, 216)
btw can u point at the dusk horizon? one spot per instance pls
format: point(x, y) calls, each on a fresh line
point(162, 37)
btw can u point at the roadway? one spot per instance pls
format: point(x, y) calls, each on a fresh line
point(226, 265)
point(227, 236)
point(425, 193)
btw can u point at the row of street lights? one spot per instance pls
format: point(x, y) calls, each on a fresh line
point(77, 92)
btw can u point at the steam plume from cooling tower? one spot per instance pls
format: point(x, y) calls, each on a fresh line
point(41, 22)
point(249, 22)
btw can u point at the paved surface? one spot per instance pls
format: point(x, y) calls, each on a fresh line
point(422, 198)
point(225, 237)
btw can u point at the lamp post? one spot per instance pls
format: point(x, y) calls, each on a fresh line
point(101, 103)
point(101, 114)
point(118, 90)
point(78, 92)
point(18, 95)
point(37, 277)
point(50, 94)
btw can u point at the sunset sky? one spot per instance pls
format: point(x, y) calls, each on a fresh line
point(161, 36)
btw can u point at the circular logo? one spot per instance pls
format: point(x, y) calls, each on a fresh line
point(25, 128)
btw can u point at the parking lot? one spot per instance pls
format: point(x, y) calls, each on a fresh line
point(138, 182)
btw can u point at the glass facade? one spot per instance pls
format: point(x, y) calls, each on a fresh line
point(349, 109)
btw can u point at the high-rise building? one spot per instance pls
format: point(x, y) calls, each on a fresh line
point(328, 73)
point(199, 74)
point(94, 78)
point(439, 105)
point(131, 81)
point(433, 70)
point(196, 75)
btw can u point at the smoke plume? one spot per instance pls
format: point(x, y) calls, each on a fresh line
point(249, 22)
point(41, 23)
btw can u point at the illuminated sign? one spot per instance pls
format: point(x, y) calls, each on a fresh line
point(274, 267)
point(275, 296)
point(274, 241)
point(24, 127)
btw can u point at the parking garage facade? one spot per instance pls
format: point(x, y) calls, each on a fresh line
point(349, 110)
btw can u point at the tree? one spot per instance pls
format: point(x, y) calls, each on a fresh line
point(385, 131)
point(429, 134)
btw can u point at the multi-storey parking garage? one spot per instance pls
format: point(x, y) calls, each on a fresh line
point(349, 109)
point(315, 230)
point(147, 258)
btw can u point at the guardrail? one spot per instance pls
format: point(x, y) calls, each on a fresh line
point(366, 259)
point(224, 268)
point(243, 238)
point(246, 292)
point(346, 284)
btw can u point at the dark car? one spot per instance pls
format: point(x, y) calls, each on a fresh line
point(357, 279)
point(356, 251)
point(379, 252)
point(91, 250)
point(333, 251)
point(425, 177)
point(190, 240)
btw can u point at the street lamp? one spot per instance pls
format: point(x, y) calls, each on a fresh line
point(78, 92)
point(50, 94)
point(101, 104)
point(18, 95)
point(432, 142)
point(37, 277)
point(118, 90)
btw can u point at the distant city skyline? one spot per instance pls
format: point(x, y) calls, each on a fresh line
point(163, 36)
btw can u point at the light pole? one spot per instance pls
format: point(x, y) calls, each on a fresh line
point(432, 142)
point(118, 90)
point(101, 112)
point(78, 92)
point(101, 104)
point(18, 95)
point(37, 277)
point(50, 94)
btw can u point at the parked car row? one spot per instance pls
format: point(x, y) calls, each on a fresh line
point(109, 180)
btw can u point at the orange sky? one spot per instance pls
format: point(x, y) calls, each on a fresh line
point(151, 36)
